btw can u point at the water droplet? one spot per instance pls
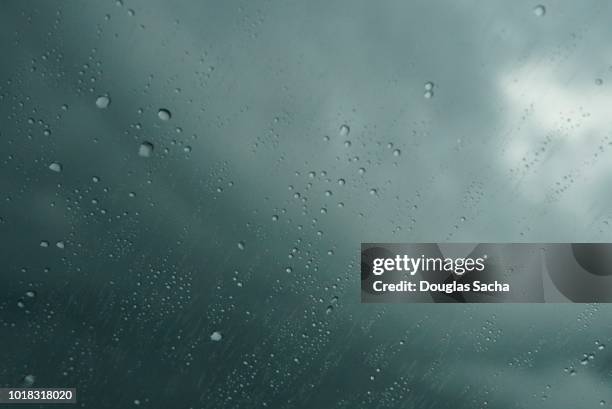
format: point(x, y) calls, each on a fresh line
point(95, 179)
point(341, 182)
point(60, 245)
point(598, 81)
point(539, 10)
point(345, 130)
point(275, 218)
point(29, 380)
point(164, 114)
point(30, 294)
point(146, 149)
point(55, 167)
point(241, 245)
point(429, 86)
point(103, 101)
point(216, 336)
point(44, 244)
point(397, 152)
point(428, 94)
point(347, 144)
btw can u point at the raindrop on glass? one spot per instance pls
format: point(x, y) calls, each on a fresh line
point(103, 101)
point(539, 10)
point(146, 149)
point(164, 114)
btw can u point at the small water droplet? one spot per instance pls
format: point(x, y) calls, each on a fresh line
point(429, 86)
point(241, 245)
point(397, 152)
point(44, 244)
point(428, 94)
point(55, 167)
point(598, 81)
point(345, 130)
point(216, 336)
point(60, 245)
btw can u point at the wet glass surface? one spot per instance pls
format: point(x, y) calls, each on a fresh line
point(184, 187)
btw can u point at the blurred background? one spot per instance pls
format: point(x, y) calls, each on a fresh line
point(184, 187)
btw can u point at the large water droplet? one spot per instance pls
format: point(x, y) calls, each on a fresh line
point(146, 149)
point(164, 114)
point(539, 10)
point(103, 101)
